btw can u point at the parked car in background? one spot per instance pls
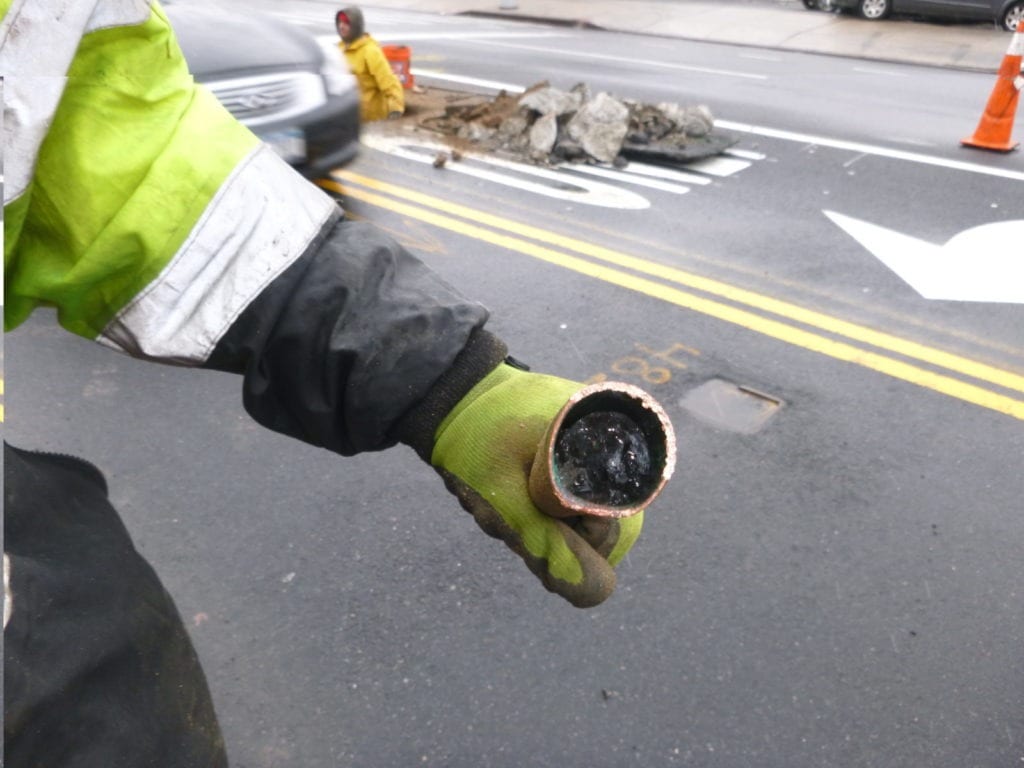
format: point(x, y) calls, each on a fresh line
point(1005, 13)
point(297, 96)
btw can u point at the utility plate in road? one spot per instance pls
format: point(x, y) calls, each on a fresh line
point(725, 405)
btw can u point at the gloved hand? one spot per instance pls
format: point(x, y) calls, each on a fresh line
point(484, 449)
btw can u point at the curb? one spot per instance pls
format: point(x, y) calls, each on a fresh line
point(549, 20)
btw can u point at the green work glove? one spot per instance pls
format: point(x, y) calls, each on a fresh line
point(484, 449)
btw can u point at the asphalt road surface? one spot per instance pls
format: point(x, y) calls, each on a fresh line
point(831, 579)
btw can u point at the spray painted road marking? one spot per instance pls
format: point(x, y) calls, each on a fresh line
point(984, 263)
point(475, 224)
point(782, 135)
point(530, 178)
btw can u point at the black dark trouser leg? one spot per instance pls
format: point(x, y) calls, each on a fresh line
point(99, 671)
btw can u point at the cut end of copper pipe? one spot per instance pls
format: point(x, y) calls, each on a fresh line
point(551, 490)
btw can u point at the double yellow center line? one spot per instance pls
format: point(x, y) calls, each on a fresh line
point(608, 265)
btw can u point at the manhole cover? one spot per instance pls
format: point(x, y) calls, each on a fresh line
point(725, 405)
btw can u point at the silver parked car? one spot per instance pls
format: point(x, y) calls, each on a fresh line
point(1005, 13)
point(276, 79)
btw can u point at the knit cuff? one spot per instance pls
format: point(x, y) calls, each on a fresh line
point(482, 354)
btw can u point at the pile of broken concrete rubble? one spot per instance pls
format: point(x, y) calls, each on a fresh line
point(547, 125)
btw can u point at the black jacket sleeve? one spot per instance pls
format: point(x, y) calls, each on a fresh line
point(352, 338)
point(98, 666)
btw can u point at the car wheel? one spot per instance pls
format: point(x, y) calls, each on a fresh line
point(1013, 16)
point(874, 9)
point(812, 4)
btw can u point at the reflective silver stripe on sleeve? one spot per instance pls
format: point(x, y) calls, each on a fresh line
point(261, 220)
point(38, 41)
point(29, 104)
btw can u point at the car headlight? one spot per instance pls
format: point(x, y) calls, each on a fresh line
point(337, 78)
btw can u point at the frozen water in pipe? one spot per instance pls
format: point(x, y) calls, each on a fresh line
point(604, 458)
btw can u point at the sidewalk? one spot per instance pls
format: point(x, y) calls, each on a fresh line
point(784, 24)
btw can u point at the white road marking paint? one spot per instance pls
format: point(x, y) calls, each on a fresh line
point(549, 183)
point(662, 172)
point(745, 154)
point(624, 175)
point(491, 84)
point(634, 61)
point(983, 263)
point(719, 166)
point(854, 146)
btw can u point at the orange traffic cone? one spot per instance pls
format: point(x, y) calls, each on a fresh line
point(996, 125)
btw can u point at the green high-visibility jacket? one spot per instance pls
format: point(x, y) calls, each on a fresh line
point(157, 225)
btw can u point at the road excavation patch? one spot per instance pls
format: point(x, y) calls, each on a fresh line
point(548, 126)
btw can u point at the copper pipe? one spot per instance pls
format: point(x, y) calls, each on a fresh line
point(549, 488)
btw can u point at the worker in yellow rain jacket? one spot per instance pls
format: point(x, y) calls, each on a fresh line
point(380, 90)
point(161, 228)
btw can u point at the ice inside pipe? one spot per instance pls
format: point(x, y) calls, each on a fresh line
point(604, 458)
point(608, 453)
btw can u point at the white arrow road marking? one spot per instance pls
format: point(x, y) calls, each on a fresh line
point(984, 263)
